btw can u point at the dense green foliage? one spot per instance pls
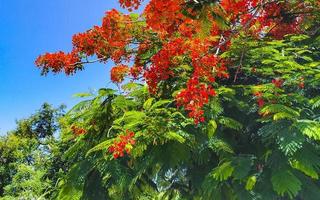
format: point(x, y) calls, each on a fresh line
point(241, 152)
point(30, 157)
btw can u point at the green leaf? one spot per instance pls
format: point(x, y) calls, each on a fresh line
point(230, 123)
point(160, 103)
point(205, 27)
point(271, 130)
point(307, 160)
point(123, 103)
point(105, 91)
point(315, 102)
point(186, 67)
point(83, 105)
point(72, 189)
point(102, 146)
point(282, 115)
point(309, 128)
point(268, 61)
point(68, 192)
point(147, 104)
point(81, 95)
point(285, 182)
point(131, 86)
point(285, 111)
point(175, 136)
point(289, 141)
point(73, 150)
point(131, 119)
point(251, 182)
point(134, 16)
point(226, 91)
point(242, 164)
point(307, 169)
point(218, 145)
point(138, 150)
point(223, 172)
point(212, 127)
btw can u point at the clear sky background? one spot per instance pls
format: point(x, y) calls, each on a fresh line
point(31, 27)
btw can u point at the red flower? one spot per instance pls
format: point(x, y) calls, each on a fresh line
point(164, 16)
point(122, 144)
point(194, 97)
point(78, 131)
point(118, 73)
point(277, 82)
point(135, 71)
point(58, 61)
point(260, 100)
point(234, 7)
point(274, 18)
point(162, 63)
point(108, 41)
point(301, 83)
point(89, 41)
point(130, 4)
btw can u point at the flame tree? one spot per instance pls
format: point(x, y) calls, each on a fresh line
point(216, 100)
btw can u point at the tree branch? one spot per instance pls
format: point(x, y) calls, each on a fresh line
point(239, 67)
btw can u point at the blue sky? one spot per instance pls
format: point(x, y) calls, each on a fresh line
point(31, 27)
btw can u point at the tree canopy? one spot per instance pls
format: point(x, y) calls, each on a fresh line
point(215, 100)
point(30, 156)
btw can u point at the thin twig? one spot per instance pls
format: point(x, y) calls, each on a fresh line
point(239, 67)
point(88, 61)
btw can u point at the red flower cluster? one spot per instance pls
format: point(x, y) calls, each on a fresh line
point(135, 71)
point(210, 66)
point(118, 73)
point(117, 34)
point(236, 7)
point(78, 131)
point(301, 83)
point(108, 41)
point(116, 29)
point(260, 100)
point(204, 67)
point(162, 63)
point(164, 15)
point(280, 30)
point(88, 42)
point(277, 82)
point(197, 48)
point(59, 61)
point(130, 4)
point(123, 143)
point(126, 41)
point(194, 97)
point(189, 27)
point(275, 19)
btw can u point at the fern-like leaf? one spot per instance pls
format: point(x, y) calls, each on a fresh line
point(223, 171)
point(309, 128)
point(285, 182)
